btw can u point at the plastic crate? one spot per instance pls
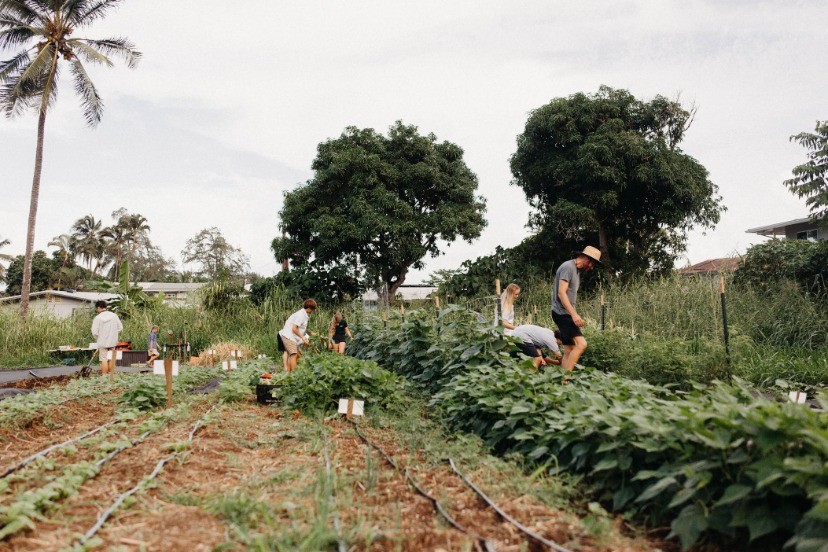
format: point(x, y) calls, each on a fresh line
point(263, 395)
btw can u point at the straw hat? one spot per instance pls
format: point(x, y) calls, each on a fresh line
point(593, 253)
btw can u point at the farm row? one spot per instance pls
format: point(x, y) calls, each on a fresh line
point(219, 471)
point(719, 463)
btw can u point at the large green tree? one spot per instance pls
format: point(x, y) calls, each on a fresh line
point(215, 256)
point(606, 168)
point(377, 205)
point(46, 33)
point(44, 270)
point(810, 179)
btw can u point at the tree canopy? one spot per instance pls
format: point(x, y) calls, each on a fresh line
point(215, 255)
point(606, 168)
point(378, 205)
point(810, 179)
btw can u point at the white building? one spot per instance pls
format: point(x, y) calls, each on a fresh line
point(62, 304)
point(174, 292)
point(797, 229)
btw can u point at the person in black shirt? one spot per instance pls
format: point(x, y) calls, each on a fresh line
point(337, 331)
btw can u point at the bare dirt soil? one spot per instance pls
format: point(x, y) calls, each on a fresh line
point(256, 477)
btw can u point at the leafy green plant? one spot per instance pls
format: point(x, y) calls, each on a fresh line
point(715, 462)
point(146, 394)
point(320, 381)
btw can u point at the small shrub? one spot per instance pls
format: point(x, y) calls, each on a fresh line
point(146, 394)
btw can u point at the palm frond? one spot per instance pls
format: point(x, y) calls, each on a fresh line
point(88, 53)
point(14, 33)
point(116, 47)
point(40, 64)
point(92, 11)
point(85, 88)
point(19, 9)
point(22, 93)
point(14, 65)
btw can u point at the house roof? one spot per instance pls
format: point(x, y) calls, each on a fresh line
point(84, 296)
point(170, 287)
point(712, 266)
point(779, 227)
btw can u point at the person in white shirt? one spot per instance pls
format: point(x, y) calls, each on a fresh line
point(533, 339)
point(295, 333)
point(105, 329)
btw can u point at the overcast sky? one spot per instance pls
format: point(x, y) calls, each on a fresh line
point(228, 104)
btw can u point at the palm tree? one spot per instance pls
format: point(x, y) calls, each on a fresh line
point(44, 29)
point(4, 257)
point(87, 236)
point(138, 228)
point(117, 235)
point(65, 248)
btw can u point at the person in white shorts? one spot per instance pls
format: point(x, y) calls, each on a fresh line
point(295, 334)
point(105, 329)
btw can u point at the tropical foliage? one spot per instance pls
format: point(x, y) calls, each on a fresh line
point(43, 31)
point(810, 180)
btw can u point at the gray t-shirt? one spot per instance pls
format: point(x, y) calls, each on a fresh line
point(568, 272)
point(538, 336)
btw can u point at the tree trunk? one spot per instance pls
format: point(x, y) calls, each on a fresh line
point(394, 286)
point(603, 241)
point(30, 233)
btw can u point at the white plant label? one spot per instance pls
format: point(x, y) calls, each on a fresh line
point(357, 407)
point(158, 367)
point(229, 365)
point(118, 355)
point(799, 397)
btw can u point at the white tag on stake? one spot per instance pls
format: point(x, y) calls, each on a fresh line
point(351, 407)
point(118, 355)
point(158, 367)
point(798, 397)
point(228, 365)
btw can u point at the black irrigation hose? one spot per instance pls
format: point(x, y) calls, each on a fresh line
point(528, 532)
point(479, 540)
point(47, 450)
point(120, 500)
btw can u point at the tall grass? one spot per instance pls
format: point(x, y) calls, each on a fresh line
point(26, 342)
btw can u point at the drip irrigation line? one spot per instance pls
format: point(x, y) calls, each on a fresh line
point(47, 450)
point(528, 532)
point(141, 484)
point(341, 544)
point(480, 541)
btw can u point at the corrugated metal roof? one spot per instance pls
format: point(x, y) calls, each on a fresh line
point(779, 226)
point(85, 296)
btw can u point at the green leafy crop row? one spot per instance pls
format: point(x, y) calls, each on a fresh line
point(718, 462)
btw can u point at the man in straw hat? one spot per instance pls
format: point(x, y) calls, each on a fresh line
point(569, 322)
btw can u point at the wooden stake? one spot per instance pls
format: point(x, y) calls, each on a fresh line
point(168, 368)
point(497, 286)
point(350, 407)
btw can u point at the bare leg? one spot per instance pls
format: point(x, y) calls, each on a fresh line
point(285, 361)
point(573, 352)
point(340, 348)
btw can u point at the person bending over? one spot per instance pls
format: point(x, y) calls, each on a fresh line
point(534, 339)
point(295, 334)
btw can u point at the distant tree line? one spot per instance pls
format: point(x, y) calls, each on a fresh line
point(91, 252)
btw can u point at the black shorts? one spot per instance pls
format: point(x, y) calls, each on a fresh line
point(337, 339)
point(529, 349)
point(569, 331)
point(281, 346)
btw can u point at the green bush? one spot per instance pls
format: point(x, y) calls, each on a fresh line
point(320, 381)
point(804, 261)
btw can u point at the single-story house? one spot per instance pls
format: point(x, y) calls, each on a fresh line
point(174, 292)
point(797, 229)
point(711, 267)
point(406, 293)
point(60, 303)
